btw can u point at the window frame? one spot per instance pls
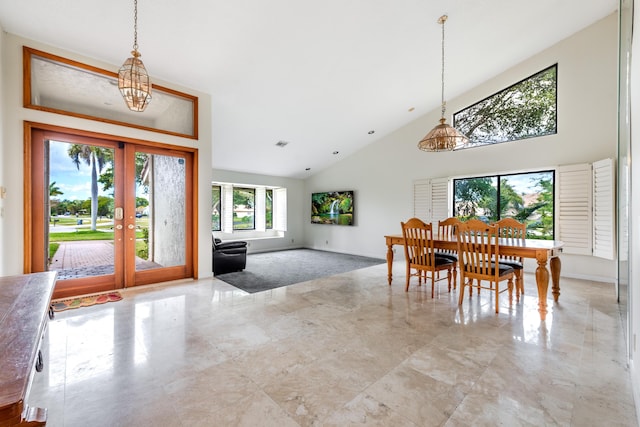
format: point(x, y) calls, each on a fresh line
point(268, 207)
point(253, 208)
point(498, 177)
point(181, 104)
point(220, 212)
point(473, 144)
point(279, 211)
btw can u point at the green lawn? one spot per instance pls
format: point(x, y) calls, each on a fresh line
point(85, 235)
point(53, 247)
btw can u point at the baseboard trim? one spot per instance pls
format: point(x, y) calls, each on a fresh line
point(603, 279)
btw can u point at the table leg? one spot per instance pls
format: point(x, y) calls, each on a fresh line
point(542, 280)
point(389, 262)
point(555, 277)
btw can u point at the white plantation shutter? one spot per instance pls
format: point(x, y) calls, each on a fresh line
point(431, 199)
point(573, 208)
point(280, 209)
point(259, 208)
point(439, 199)
point(603, 209)
point(227, 208)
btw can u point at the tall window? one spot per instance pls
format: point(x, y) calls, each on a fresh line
point(216, 207)
point(524, 110)
point(527, 197)
point(244, 208)
point(268, 209)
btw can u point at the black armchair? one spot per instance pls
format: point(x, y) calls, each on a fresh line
point(228, 257)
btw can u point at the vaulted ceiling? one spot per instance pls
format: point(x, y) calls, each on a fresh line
point(318, 75)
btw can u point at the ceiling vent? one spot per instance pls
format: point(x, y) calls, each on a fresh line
point(281, 144)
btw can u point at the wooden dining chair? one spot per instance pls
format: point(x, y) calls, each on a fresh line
point(478, 259)
point(420, 254)
point(513, 231)
point(447, 229)
point(475, 222)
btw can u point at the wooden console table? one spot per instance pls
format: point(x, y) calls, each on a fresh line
point(25, 303)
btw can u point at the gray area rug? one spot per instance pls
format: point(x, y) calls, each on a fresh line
point(270, 270)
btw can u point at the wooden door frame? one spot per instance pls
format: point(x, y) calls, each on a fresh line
point(28, 202)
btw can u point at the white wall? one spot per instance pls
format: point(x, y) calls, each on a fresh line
point(11, 147)
point(382, 174)
point(296, 199)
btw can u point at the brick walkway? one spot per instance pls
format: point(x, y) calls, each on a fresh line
point(88, 258)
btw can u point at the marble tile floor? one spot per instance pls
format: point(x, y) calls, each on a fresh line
point(339, 351)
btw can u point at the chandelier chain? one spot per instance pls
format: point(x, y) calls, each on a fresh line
point(442, 137)
point(442, 75)
point(135, 25)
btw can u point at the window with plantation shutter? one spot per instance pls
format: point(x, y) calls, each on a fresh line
point(603, 209)
point(267, 207)
point(573, 208)
point(583, 208)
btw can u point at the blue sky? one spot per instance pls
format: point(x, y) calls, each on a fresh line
point(75, 184)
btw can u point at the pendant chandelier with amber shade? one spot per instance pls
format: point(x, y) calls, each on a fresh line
point(443, 137)
point(133, 79)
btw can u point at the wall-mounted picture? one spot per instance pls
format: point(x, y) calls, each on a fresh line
point(332, 207)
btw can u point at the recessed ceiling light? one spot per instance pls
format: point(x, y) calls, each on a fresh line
point(371, 132)
point(335, 152)
point(281, 144)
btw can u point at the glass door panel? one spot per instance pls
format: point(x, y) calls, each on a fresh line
point(160, 211)
point(80, 231)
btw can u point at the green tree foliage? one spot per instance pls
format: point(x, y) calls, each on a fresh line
point(510, 200)
point(543, 227)
point(345, 204)
point(54, 190)
point(476, 197)
point(141, 202)
point(268, 209)
point(216, 207)
point(524, 110)
point(95, 158)
point(106, 178)
point(244, 197)
point(321, 202)
point(105, 205)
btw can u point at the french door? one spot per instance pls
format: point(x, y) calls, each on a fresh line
point(105, 213)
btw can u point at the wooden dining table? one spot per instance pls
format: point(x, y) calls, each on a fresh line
point(545, 252)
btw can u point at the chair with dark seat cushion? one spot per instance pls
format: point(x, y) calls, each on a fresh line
point(479, 260)
point(228, 256)
point(512, 230)
point(420, 254)
point(447, 229)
